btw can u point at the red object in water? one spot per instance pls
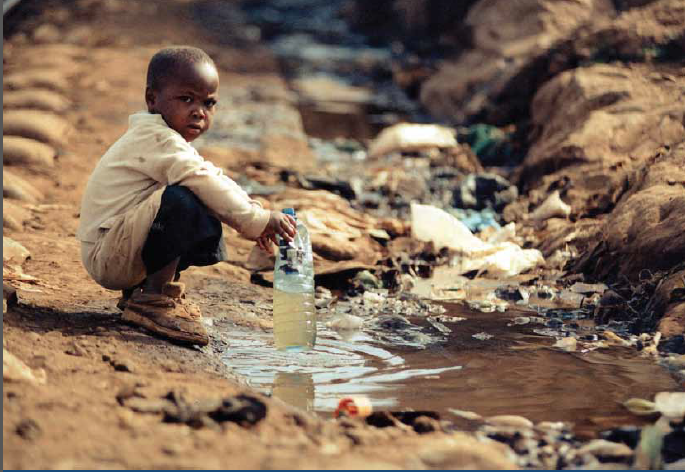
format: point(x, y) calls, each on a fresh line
point(354, 406)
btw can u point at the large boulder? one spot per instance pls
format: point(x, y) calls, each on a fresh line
point(496, 80)
point(603, 117)
point(507, 37)
point(645, 230)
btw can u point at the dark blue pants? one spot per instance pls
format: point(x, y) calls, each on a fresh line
point(183, 228)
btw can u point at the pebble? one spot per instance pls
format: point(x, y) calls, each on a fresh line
point(606, 449)
point(482, 336)
point(467, 415)
point(509, 420)
point(28, 429)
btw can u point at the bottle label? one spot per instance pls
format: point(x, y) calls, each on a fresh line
point(292, 257)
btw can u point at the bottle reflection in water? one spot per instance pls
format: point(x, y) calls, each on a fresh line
point(296, 389)
point(294, 310)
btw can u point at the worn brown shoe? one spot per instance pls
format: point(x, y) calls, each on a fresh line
point(167, 317)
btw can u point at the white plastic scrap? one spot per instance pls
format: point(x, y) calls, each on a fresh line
point(670, 404)
point(412, 137)
point(499, 259)
point(551, 207)
point(568, 344)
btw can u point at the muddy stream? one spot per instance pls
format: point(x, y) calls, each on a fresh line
point(454, 357)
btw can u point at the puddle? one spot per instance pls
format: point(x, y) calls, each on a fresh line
point(514, 372)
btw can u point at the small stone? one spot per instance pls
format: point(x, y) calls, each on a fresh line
point(509, 420)
point(9, 297)
point(467, 415)
point(482, 336)
point(606, 449)
point(75, 349)
point(47, 33)
point(28, 429)
point(13, 252)
point(123, 364)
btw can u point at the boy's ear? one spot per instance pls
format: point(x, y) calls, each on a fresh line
point(150, 97)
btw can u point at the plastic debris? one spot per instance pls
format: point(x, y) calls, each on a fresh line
point(480, 191)
point(551, 207)
point(483, 336)
point(354, 406)
point(431, 224)
point(671, 404)
point(412, 137)
point(492, 145)
point(476, 220)
point(568, 344)
point(346, 322)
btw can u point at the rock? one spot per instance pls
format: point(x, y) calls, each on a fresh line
point(9, 297)
point(13, 251)
point(14, 370)
point(34, 124)
point(497, 77)
point(480, 191)
point(47, 33)
point(27, 152)
point(467, 415)
point(644, 230)
point(619, 114)
point(604, 449)
point(50, 79)
point(461, 451)
point(28, 429)
point(510, 420)
point(123, 364)
point(36, 99)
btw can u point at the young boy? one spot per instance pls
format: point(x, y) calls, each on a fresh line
point(153, 206)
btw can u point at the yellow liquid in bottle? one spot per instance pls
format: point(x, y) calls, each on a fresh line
point(294, 320)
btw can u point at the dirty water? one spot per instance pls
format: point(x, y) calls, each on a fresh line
point(516, 371)
point(487, 363)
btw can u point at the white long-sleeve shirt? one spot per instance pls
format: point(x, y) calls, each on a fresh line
point(149, 156)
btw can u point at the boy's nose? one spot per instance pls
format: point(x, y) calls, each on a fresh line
point(198, 112)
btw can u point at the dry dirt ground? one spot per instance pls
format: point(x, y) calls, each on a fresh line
point(69, 326)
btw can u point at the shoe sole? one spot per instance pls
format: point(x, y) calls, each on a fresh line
point(132, 317)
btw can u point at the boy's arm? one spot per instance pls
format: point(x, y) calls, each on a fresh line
point(180, 164)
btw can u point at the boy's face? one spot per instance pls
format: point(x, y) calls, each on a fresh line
point(187, 99)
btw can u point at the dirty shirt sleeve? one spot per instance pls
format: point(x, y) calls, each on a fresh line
point(177, 162)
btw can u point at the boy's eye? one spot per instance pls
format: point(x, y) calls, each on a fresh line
point(210, 103)
point(186, 99)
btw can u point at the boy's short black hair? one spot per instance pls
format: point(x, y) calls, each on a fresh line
point(166, 62)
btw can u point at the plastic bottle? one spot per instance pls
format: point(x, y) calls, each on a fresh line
point(294, 310)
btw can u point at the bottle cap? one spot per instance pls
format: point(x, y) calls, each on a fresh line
point(289, 211)
point(354, 406)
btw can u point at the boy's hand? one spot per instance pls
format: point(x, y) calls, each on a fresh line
point(279, 224)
